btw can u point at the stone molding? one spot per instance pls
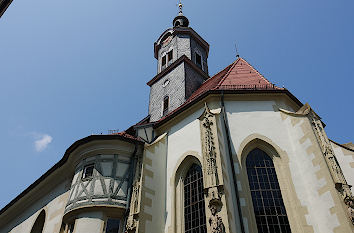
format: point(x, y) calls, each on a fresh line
point(133, 218)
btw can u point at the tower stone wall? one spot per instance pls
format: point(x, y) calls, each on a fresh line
point(175, 90)
point(197, 48)
point(193, 80)
point(179, 81)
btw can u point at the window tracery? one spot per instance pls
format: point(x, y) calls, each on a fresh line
point(194, 206)
point(267, 200)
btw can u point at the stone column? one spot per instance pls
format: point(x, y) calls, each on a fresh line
point(216, 211)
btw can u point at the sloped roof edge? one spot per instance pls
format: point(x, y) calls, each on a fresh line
point(4, 5)
point(168, 69)
point(341, 145)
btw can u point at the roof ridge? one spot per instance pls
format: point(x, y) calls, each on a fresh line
point(227, 67)
point(228, 72)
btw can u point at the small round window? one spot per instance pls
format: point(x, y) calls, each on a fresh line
point(166, 83)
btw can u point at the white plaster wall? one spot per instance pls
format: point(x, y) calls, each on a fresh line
point(25, 226)
point(182, 137)
point(258, 117)
point(345, 159)
point(231, 200)
point(89, 223)
point(53, 203)
point(54, 213)
point(307, 185)
point(157, 153)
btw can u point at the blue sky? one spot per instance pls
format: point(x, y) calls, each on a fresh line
point(73, 68)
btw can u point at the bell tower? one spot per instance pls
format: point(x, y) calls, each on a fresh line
point(182, 66)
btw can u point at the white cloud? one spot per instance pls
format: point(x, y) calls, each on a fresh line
point(42, 142)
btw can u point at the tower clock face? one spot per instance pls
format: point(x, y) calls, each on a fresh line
point(166, 41)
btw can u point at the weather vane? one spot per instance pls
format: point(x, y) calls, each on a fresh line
point(180, 5)
point(237, 54)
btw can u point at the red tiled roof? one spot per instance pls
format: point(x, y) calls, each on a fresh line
point(242, 73)
point(128, 136)
point(239, 75)
point(210, 84)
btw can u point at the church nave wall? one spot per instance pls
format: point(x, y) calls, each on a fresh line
point(27, 211)
point(311, 201)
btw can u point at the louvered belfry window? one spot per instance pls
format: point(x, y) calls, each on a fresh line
point(267, 200)
point(194, 207)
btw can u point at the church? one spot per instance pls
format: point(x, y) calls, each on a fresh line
point(231, 153)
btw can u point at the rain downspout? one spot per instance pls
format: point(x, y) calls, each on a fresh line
point(232, 161)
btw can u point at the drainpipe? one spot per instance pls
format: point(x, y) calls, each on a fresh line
point(232, 161)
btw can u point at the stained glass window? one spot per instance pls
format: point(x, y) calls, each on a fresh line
point(194, 207)
point(267, 200)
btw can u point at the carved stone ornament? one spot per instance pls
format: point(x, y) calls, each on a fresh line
point(326, 147)
point(336, 172)
point(211, 154)
point(215, 221)
point(350, 204)
point(131, 224)
point(134, 208)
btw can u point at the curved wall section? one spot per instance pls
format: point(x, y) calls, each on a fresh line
point(105, 185)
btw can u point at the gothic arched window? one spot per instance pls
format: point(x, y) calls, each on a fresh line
point(39, 223)
point(194, 207)
point(267, 200)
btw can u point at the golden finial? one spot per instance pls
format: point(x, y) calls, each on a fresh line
point(180, 6)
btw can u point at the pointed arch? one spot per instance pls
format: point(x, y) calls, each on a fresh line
point(188, 167)
point(263, 144)
point(268, 204)
point(194, 205)
point(39, 223)
point(280, 159)
point(186, 161)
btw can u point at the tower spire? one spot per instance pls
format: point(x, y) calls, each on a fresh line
point(180, 20)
